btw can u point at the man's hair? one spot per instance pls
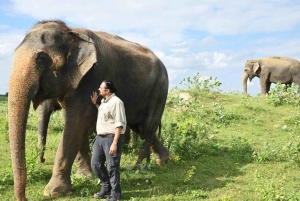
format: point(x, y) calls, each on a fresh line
point(110, 86)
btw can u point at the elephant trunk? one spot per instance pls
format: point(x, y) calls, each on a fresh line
point(21, 90)
point(244, 79)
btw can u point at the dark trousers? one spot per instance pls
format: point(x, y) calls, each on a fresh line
point(110, 175)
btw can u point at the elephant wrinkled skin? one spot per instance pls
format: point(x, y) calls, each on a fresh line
point(282, 70)
point(55, 61)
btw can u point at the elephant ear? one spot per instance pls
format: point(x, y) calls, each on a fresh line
point(82, 57)
point(256, 66)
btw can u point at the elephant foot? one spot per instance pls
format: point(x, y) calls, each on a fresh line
point(56, 194)
point(136, 167)
point(83, 169)
point(41, 159)
point(57, 187)
point(142, 167)
point(83, 165)
point(84, 173)
point(162, 154)
point(144, 153)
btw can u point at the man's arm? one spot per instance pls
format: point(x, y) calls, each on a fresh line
point(113, 147)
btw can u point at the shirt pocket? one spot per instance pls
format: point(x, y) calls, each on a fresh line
point(107, 116)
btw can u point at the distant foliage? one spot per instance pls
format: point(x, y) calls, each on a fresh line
point(183, 128)
point(190, 124)
point(202, 83)
point(284, 94)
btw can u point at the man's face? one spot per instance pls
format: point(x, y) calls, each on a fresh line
point(103, 91)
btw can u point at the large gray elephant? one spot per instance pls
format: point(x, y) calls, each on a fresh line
point(55, 61)
point(271, 70)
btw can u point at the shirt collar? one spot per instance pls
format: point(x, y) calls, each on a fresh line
point(107, 99)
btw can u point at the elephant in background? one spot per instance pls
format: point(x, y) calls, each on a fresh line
point(45, 109)
point(55, 61)
point(271, 70)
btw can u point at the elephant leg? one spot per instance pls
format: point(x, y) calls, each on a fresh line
point(60, 182)
point(126, 139)
point(161, 153)
point(151, 143)
point(143, 153)
point(134, 139)
point(43, 121)
point(263, 86)
point(45, 110)
point(83, 159)
point(268, 86)
point(70, 144)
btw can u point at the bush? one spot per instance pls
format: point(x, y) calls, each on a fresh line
point(189, 124)
point(201, 83)
point(284, 94)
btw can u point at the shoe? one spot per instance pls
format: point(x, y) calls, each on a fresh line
point(101, 194)
point(111, 199)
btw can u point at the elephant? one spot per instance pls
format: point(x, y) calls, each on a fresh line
point(282, 70)
point(57, 61)
point(45, 109)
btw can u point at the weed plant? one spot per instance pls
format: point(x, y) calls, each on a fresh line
point(224, 146)
point(284, 94)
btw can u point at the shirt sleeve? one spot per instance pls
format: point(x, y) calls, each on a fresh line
point(120, 117)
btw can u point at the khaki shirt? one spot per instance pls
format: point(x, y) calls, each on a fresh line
point(111, 114)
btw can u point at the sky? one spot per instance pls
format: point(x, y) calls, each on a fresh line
point(211, 37)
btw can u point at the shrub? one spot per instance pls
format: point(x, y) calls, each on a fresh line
point(201, 83)
point(284, 94)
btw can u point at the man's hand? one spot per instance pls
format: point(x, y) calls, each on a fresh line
point(113, 149)
point(94, 97)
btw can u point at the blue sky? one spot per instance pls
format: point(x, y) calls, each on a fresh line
point(212, 37)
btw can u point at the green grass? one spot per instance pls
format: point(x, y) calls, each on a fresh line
point(224, 146)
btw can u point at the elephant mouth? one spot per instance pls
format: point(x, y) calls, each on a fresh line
point(250, 78)
point(37, 98)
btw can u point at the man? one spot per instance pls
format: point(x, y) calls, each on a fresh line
point(111, 125)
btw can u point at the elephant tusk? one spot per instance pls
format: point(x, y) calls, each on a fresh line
point(55, 73)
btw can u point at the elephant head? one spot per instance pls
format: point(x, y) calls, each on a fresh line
point(50, 60)
point(251, 70)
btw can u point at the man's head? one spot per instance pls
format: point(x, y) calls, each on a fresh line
point(107, 88)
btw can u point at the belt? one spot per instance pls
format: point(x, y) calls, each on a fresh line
point(107, 135)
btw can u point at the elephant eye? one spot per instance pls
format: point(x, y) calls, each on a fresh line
point(43, 60)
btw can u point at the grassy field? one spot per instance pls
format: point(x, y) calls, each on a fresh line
point(224, 146)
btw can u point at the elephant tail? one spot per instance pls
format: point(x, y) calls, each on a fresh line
point(159, 132)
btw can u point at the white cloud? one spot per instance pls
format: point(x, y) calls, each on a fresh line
point(206, 41)
point(174, 73)
point(189, 36)
point(176, 63)
point(217, 17)
point(4, 27)
point(8, 42)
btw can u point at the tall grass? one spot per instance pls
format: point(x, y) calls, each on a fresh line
point(224, 146)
